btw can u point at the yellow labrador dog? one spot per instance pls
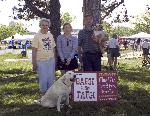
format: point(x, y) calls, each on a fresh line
point(58, 93)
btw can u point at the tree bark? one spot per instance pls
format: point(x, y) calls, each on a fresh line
point(55, 27)
point(94, 7)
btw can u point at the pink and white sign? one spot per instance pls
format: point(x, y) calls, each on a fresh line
point(85, 87)
point(100, 86)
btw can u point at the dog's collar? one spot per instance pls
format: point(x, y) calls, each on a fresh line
point(64, 83)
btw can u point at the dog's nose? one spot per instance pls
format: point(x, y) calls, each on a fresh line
point(71, 79)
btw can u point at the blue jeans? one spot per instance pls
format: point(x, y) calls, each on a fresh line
point(91, 61)
point(46, 74)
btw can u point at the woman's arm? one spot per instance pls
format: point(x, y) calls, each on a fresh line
point(75, 47)
point(80, 43)
point(59, 48)
point(35, 45)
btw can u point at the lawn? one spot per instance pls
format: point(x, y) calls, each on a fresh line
point(19, 88)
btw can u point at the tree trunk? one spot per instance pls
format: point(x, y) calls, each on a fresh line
point(55, 27)
point(92, 7)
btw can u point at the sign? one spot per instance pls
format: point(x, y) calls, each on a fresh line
point(97, 86)
point(107, 86)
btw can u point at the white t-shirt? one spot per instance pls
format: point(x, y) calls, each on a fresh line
point(44, 44)
point(113, 43)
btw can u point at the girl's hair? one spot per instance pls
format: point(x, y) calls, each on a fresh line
point(67, 24)
point(44, 20)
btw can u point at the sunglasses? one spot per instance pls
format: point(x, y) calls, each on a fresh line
point(67, 42)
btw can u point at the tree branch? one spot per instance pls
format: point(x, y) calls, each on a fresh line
point(110, 8)
point(36, 11)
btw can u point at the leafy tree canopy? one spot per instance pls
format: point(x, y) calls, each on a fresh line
point(122, 31)
point(7, 31)
point(142, 23)
point(31, 9)
point(119, 30)
point(66, 17)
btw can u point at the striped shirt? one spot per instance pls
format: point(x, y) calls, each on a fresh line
point(86, 42)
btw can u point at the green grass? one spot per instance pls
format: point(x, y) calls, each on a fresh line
point(19, 87)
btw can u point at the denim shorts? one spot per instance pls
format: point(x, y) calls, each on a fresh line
point(114, 52)
point(46, 74)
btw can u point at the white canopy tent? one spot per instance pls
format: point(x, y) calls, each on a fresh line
point(20, 37)
point(7, 39)
point(140, 35)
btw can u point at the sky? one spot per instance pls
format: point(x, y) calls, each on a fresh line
point(74, 7)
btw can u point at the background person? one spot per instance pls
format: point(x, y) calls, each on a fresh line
point(138, 44)
point(114, 51)
point(67, 46)
point(43, 60)
point(145, 47)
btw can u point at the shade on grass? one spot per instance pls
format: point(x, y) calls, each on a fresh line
point(19, 87)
